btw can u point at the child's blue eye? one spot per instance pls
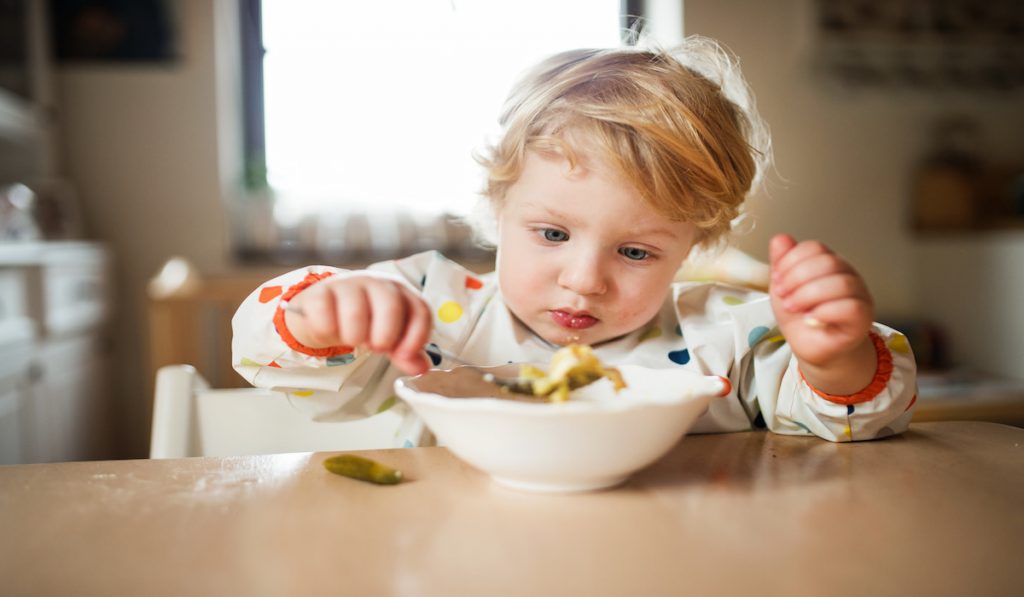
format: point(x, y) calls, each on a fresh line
point(554, 235)
point(634, 253)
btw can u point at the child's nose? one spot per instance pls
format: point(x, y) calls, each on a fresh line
point(584, 275)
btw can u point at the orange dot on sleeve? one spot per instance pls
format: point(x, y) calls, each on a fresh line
point(269, 293)
point(473, 283)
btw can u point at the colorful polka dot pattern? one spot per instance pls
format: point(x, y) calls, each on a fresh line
point(680, 357)
point(251, 363)
point(848, 430)
point(434, 352)
point(756, 335)
point(269, 293)
point(341, 359)
point(760, 334)
point(650, 334)
point(449, 312)
point(899, 343)
point(387, 404)
point(453, 310)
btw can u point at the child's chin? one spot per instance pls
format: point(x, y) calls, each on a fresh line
point(565, 336)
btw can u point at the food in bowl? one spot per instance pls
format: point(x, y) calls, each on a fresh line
point(572, 367)
point(595, 440)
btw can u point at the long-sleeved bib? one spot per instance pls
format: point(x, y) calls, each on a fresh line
point(710, 328)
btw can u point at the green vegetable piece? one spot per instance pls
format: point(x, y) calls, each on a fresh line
point(363, 469)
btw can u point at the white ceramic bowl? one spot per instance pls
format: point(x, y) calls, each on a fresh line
point(594, 440)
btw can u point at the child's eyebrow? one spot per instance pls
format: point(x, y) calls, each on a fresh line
point(649, 232)
point(554, 213)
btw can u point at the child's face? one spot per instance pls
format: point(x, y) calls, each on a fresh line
point(581, 257)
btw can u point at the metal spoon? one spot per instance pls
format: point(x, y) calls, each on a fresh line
point(517, 385)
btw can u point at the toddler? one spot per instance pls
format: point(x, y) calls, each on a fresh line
point(613, 165)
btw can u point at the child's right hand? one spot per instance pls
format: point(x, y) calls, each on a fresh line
point(382, 315)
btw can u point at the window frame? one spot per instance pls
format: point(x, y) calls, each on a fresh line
point(254, 146)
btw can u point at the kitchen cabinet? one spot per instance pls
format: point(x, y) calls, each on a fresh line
point(28, 124)
point(15, 380)
point(54, 356)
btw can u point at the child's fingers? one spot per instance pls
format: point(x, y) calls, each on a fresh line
point(847, 312)
point(779, 245)
point(824, 289)
point(387, 314)
point(353, 314)
point(315, 325)
point(411, 364)
point(408, 355)
point(797, 254)
point(814, 267)
point(417, 327)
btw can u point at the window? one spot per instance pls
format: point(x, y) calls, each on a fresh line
point(362, 125)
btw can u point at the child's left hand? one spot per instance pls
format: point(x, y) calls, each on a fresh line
point(822, 305)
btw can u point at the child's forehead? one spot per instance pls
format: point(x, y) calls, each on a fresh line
point(545, 169)
point(550, 175)
point(579, 146)
point(548, 181)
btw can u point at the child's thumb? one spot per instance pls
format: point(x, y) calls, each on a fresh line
point(779, 246)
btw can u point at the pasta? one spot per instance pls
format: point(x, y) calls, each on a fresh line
point(572, 367)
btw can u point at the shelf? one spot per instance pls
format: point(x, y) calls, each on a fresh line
point(994, 226)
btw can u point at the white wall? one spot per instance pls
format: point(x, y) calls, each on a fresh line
point(146, 148)
point(975, 285)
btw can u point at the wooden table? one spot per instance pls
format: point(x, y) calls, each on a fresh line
point(937, 511)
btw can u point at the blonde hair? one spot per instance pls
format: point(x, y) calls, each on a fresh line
point(678, 124)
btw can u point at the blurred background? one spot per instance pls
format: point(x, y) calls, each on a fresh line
point(160, 158)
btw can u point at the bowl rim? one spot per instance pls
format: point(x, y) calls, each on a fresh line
point(497, 405)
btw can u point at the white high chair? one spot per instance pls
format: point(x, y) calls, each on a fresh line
point(191, 419)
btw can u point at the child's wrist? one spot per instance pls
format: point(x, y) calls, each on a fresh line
point(846, 375)
point(287, 321)
point(295, 324)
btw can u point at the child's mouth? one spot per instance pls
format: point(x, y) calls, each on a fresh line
point(580, 320)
